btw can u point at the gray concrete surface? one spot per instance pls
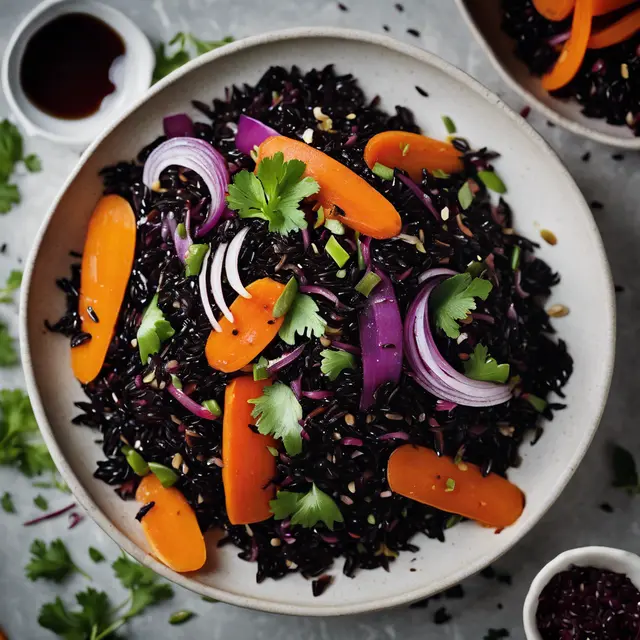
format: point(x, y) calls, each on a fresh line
point(574, 520)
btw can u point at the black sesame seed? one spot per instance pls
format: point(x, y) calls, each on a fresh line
point(413, 32)
point(386, 27)
point(144, 510)
point(235, 332)
point(606, 507)
point(586, 157)
point(3, 248)
point(271, 321)
point(399, 7)
point(617, 157)
point(80, 338)
point(342, 7)
point(422, 92)
point(595, 204)
point(619, 288)
point(551, 124)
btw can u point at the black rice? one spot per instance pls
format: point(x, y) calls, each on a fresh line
point(377, 524)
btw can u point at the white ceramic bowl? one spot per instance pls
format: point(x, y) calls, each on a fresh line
point(542, 194)
point(483, 18)
point(131, 74)
point(599, 557)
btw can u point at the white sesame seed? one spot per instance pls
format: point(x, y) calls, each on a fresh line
point(200, 499)
point(162, 385)
point(175, 419)
point(393, 416)
point(557, 311)
point(370, 418)
point(134, 343)
point(630, 118)
point(445, 213)
point(185, 468)
point(176, 461)
point(307, 136)
point(624, 70)
point(315, 248)
point(350, 419)
point(176, 304)
point(351, 116)
point(386, 494)
point(290, 564)
point(507, 432)
point(275, 542)
point(336, 436)
point(249, 530)
point(461, 338)
point(352, 487)
point(115, 397)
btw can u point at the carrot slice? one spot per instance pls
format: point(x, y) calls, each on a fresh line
point(574, 48)
point(106, 266)
point(418, 473)
point(618, 32)
point(248, 465)
point(254, 327)
point(365, 209)
point(171, 526)
point(412, 153)
point(601, 7)
point(555, 10)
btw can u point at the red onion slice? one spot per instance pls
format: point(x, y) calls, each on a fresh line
point(189, 404)
point(285, 360)
point(321, 291)
point(204, 295)
point(231, 263)
point(419, 193)
point(252, 133)
point(178, 125)
point(196, 155)
point(216, 281)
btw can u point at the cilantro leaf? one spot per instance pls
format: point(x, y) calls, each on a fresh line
point(274, 194)
point(302, 318)
point(10, 149)
point(278, 413)
point(625, 472)
point(8, 354)
point(453, 299)
point(9, 195)
point(52, 563)
point(7, 503)
point(14, 280)
point(32, 163)
point(96, 555)
point(20, 445)
point(41, 502)
point(153, 330)
point(481, 366)
point(306, 509)
point(334, 362)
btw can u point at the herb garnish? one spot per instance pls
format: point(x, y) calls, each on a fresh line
point(481, 366)
point(302, 318)
point(51, 563)
point(306, 509)
point(335, 362)
point(153, 331)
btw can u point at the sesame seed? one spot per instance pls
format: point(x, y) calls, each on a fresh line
point(175, 419)
point(346, 500)
point(275, 542)
point(185, 468)
point(508, 231)
point(218, 462)
point(307, 136)
point(175, 304)
point(200, 499)
point(249, 530)
point(624, 70)
point(549, 236)
point(370, 418)
point(386, 494)
point(445, 213)
point(325, 342)
point(149, 377)
point(176, 461)
point(290, 564)
point(351, 116)
point(336, 436)
point(462, 466)
point(352, 487)
point(134, 343)
point(507, 432)
point(350, 419)
point(393, 416)
point(162, 385)
point(557, 311)
point(461, 338)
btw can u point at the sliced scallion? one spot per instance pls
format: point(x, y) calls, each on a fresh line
point(288, 295)
point(382, 171)
point(537, 403)
point(335, 226)
point(465, 196)
point(260, 369)
point(135, 461)
point(320, 220)
point(168, 477)
point(336, 251)
point(368, 283)
point(179, 617)
point(449, 125)
point(515, 257)
point(176, 382)
point(341, 273)
point(181, 229)
point(492, 181)
point(193, 260)
point(212, 406)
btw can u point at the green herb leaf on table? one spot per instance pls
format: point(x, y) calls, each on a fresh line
point(303, 318)
point(204, 46)
point(481, 366)
point(96, 555)
point(335, 362)
point(274, 194)
point(20, 443)
point(9, 195)
point(41, 502)
point(453, 299)
point(32, 163)
point(14, 280)
point(50, 563)
point(278, 413)
point(449, 125)
point(153, 331)
point(625, 473)
point(7, 503)
point(180, 617)
point(306, 509)
point(8, 353)
point(11, 149)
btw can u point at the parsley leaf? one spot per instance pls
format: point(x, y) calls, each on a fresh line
point(96, 555)
point(14, 280)
point(306, 509)
point(53, 563)
point(20, 445)
point(153, 330)
point(8, 354)
point(7, 503)
point(334, 362)
point(481, 366)
point(625, 473)
point(278, 413)
point(9, 195)
point(302, 318)
point(274, 194)
point(453, 299)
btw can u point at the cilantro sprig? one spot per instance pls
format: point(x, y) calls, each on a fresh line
point(51, 563)
point(278, 413)
point(453, 299)
point(306, 509)
point(302, 318)
point(274, 194)
point(153, 331)
point(14, 280)
point(481, 366)
point(335, 362)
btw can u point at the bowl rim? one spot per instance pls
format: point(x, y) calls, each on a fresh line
point(184, 580)
point(532, 100)
point(597, 556)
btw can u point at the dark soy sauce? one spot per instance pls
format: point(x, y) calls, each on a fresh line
point(65, 67)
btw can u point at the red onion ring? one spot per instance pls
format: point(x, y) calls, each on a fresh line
point(189, 404)
point(252, 133)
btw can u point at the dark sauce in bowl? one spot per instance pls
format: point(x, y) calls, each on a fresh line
point(585, 603)
point(66, 64)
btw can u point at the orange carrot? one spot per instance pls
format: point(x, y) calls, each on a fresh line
point(106, 266)
point(365, 209)
point(601, 7)
point(555, 10)
point(254, 327)
point(617, 32)
point(418, 473)
point(412, 153)
point(171, 527)
point(248, 464)
point(575, 47)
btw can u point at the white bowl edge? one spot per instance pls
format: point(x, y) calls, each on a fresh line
point(252, 602)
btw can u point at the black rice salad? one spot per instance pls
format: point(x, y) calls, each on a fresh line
point(483, 395)
point(606, 83)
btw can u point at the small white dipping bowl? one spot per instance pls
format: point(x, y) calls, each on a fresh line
point(599, 557)
point(131, 74)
